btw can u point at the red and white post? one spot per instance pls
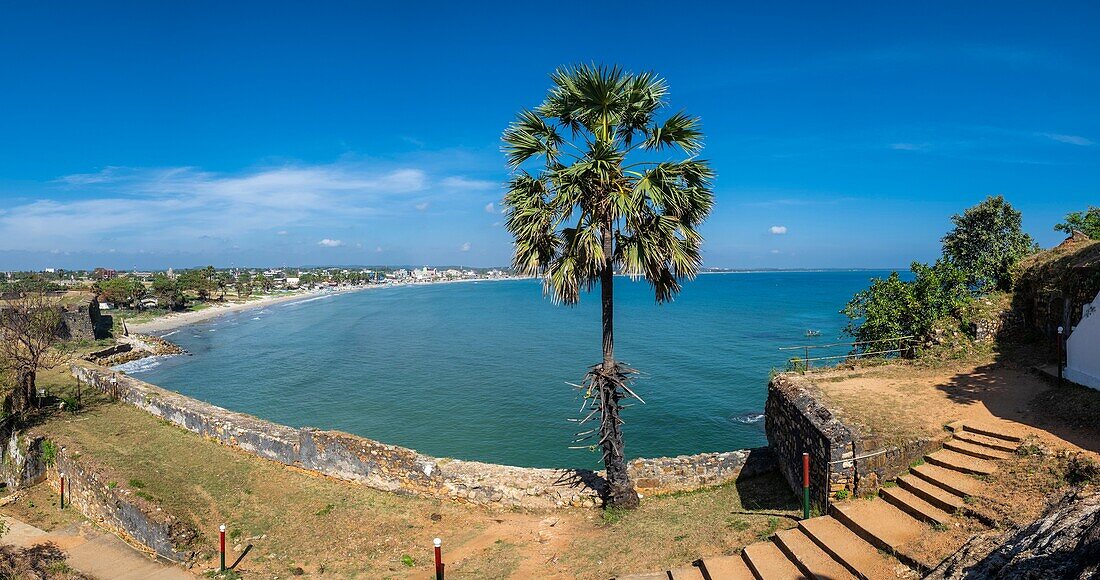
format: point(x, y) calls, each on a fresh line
point(62, 478)
point(438, 558)
point(221, 546)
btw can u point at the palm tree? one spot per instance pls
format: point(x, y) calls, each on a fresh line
point(593, 191)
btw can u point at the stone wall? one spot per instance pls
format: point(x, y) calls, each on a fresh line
point(394, 468)
point(79, 321)
point(842, 456)
point(797, 421)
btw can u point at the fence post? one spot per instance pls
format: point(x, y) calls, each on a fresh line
point(438, 558)
point(62, 477)
point(221, 546)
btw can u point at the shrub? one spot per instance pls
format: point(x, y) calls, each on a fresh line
point(892, 307)
point(986, 244)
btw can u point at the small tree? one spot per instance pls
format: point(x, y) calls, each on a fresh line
point(167, 292)
point(30, 331)
point(1087, 222)
point(986, 243)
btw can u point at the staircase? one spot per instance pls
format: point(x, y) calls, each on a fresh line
point(871, 540)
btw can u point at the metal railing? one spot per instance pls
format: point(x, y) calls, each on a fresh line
point(807, 360)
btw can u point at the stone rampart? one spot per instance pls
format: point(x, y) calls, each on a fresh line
point(842, 456)
point(394, 468)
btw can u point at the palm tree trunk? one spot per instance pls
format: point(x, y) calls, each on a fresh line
point(607, 296)
point(620, 489)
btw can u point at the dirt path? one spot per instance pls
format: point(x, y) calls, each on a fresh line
point(94, 552)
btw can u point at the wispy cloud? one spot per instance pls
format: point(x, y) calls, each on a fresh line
point(909, 146)
point(468, 184)
point(330, 243)
point(1070, 139)
point(464, 247)
point(777, 230)
point(166, 209)
point(490, 208)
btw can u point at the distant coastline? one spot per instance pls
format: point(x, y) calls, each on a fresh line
point(174, 320)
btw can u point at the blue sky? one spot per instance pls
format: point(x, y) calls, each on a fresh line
point(154, 134)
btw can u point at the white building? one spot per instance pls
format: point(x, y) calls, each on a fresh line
point(1083, 347)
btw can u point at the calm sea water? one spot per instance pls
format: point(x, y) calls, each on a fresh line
point(479, 370)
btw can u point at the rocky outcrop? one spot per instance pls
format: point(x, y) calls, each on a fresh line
point(1064, 543)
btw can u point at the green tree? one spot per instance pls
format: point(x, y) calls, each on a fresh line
point(986, 243)
point(201, 282)
point(892, 308)
point(167, 292)
point(1087, 221)
point(243, 284)
point(600, 183)
point(121, 290)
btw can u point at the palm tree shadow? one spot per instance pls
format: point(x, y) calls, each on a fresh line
point(584, 479)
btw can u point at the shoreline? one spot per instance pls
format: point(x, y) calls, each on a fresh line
point(175, 320)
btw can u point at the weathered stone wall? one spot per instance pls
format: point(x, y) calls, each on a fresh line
point(23, 465)
point(79, 321)
point(797, 421)
point(393, 468)
point(842, 457)
point(121, 511)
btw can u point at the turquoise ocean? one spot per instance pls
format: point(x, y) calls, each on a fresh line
point(480, 370)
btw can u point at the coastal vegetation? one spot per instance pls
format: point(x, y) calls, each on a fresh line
point(590, 196)
point(980, 258)
point(1086, 222)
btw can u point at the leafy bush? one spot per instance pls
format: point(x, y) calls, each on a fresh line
point(892, 308)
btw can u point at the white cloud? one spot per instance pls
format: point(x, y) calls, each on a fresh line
point(778, 230)
point(909, 146)
point(1070, 139)
point(378, 250)
point(776, 252)
point(490, 208)
point(329, 243)
point(467, 184)
point(169, 209)
point(465, 247)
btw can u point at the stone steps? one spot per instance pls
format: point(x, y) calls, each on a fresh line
point(949, 480)
point(884, 526)
point(931, 493)
point(975, 450)
point(986, 441)
point(768, 562)
point(860, 558)
point(686, 573)
point(727, 568)
point(915, 506)
point(996, 431)
point(809, 557)
point(961, 463)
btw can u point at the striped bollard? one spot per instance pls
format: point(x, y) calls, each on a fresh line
point(62, 477)
point(805, 486)
point(438, 559)
point(221, 546)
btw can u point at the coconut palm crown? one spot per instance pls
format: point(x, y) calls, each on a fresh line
point(601, 185)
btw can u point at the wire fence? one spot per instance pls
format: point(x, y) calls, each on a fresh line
point(857, 349)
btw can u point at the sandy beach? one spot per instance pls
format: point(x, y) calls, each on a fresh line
point(175, 320)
